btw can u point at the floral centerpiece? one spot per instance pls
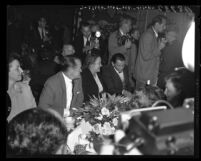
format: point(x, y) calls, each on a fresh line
point(99, 119)
point(102, 114)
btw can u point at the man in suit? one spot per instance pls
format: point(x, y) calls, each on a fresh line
point(82, 42)
point(115, 45)
point(116, 77)
point(63, 90)
point(148, 59)
point(39, 38)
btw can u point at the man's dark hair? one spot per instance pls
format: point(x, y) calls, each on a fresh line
point(124, 19)
point(116, 57)
point(13, 56)
point(35, 132)
point(84, 24)
point(158, 19)
point(67, 62)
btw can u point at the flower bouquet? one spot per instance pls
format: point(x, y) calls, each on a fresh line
point(102, 114)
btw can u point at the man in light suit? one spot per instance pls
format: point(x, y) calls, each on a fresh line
point(115, 45)
point(148, 59)
point(63, 90)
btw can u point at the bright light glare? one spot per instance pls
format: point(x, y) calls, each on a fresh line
point(98, 34)
point(188, 48)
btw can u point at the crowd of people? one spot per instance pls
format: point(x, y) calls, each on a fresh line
point(47, 73)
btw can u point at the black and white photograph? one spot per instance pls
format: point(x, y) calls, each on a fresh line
point(99, 80)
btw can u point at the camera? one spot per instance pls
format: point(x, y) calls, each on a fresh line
point(96, 35)
point(122, 40)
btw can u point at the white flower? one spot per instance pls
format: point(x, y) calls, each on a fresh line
point(106, 124)
point(79, 118)
point(112, 130)
point(100, 117)
point(115, 121)
point(106, 130)
point(105, 111)
point(103, 131)
point(97, 128)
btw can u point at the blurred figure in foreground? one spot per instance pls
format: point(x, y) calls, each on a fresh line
point(36, 132)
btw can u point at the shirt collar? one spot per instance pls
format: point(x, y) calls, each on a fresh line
point(88, 37)
point(117, 70)
point(66, 78)
point(156, 34)
point(120, 30)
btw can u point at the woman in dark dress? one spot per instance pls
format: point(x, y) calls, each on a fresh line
point(91, 80)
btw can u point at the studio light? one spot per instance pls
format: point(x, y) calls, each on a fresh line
point(188, 48)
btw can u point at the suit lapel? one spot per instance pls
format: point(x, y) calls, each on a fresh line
point(92, 79)
point(152, 32)
point(116, 76)
point(126, 77)
point(63, 87)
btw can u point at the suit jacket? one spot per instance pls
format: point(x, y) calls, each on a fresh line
point(148, 59)
point(78, 45)
point(112, 80)
point(132, 60)
point(89, 85)
point(33, 38)
point(114, 48)
point(35, 41)
point(54, 94)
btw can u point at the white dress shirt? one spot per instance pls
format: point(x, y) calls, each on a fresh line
point(156, 34)
point(100, 87)
point(85, 40)
point(42, 32)
point(69, 93)
point(121, 32)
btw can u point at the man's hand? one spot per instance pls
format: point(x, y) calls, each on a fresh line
point(128, 44)
point(161, 44)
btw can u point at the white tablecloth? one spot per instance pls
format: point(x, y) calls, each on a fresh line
point(77, 136)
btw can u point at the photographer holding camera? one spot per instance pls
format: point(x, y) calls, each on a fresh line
point(119, 41)
point(89, 39)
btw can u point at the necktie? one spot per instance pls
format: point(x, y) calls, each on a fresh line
point(88, 42)
point(43, 33)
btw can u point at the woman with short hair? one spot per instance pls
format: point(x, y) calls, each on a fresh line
point(91, 80)
point(179, 85)
point(19, 91)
